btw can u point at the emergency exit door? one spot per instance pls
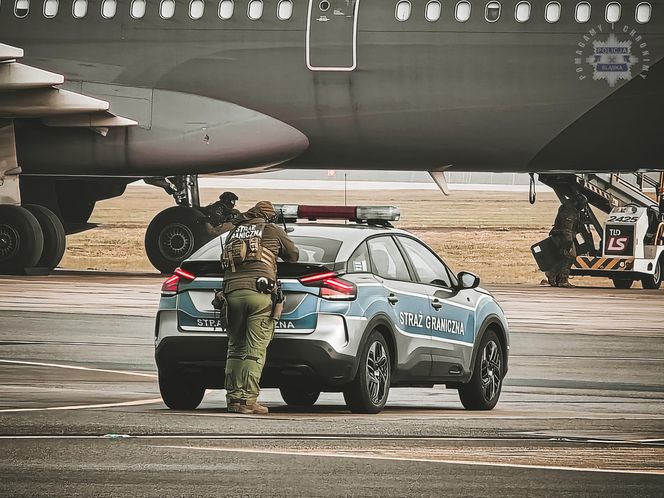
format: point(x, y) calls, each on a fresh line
point(332, 35)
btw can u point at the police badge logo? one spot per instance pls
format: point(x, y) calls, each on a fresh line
point(612, 57)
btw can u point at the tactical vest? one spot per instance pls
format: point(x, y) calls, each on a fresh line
point(244, 244)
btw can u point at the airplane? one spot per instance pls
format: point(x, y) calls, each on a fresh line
point(95, 94)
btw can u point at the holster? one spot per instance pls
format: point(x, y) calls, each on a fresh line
point(220, 304)
point(278, 299)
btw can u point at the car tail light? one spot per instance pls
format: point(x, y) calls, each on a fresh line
point(331, 286)
point(170, 285)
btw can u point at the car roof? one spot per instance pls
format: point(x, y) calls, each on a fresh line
point(351, 234)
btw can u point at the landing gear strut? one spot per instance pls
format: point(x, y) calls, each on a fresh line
point(175, 233)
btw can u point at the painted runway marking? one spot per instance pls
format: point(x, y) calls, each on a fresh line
point(425, 460)
point(84, 407)
point(75, 367)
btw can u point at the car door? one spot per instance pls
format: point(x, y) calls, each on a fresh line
point(451, 316)
point(408, 304)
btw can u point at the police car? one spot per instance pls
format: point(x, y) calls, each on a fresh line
point(368, 308)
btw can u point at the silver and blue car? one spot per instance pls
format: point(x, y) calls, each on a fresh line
point(368, 307)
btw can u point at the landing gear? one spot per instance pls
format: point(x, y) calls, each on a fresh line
point(55, 241)
point(21, 239)
point(175, 233)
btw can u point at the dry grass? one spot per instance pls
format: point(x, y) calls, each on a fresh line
point(489, 233)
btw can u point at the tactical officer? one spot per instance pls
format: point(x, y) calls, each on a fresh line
point(250, 283)
point(220, 214)
point(564, 230)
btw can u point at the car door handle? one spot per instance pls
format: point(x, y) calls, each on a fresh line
point(436, 304)
point(392, 299)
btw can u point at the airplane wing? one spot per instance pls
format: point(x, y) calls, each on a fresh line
point(29, 92)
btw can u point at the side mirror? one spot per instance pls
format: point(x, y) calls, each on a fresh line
point(468, 280)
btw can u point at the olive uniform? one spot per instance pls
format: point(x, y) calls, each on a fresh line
point(563, 232)
point(221, 214)
point(250, 322)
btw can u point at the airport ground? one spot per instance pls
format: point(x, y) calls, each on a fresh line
point(581, 414)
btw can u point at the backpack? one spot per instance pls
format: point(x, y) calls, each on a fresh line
point(244, 244)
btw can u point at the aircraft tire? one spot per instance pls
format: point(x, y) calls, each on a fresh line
point(173, 235)
point(55, 241)
point(21, 240)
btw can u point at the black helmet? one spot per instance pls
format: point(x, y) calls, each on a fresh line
point(580, 200)
point(228, 199)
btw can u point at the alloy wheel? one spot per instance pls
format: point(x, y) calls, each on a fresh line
point(491, 370)
point(377, 372)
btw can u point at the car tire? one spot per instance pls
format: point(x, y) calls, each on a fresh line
point(174, 235)
point(483, 389)
point(368, 391)
point(299, 396)
point(622, 283)
point(21, 240)
point(180, 392)
point(654, 281)
point(55, 241)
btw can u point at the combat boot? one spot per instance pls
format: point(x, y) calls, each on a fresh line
point(551, 279)
point(233, 405)
point(563, 282)
point(253, 409)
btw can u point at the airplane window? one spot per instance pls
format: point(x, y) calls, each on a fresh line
point(255, 10)
point(79, 8)
point(285, 10)
point(643, 13)
point(582, 12)
point(196, 9)
point(21, 8)
point(138, 8)
point(167, 9)
point(492, 11)
point(613, 12)
point(109, 8)
point(402, 12)
point(462, 11)
point(522, 12)
point(226, 8)
point(433, 11)
point(552, 12)
point(51, 8)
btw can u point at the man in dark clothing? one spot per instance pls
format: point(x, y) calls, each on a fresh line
point(564, 231)
point(220, 215)
point(250, 281)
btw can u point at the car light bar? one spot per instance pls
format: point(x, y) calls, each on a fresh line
point(292, 212)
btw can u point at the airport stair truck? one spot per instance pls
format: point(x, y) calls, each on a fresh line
point(629, 246)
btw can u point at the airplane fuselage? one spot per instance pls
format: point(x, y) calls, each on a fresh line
point(372, 92)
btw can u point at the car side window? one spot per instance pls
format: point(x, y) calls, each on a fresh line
point(386, 259)
point(359, 261)
point(428, 267)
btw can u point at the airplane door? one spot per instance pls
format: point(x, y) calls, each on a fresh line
point(332, 35)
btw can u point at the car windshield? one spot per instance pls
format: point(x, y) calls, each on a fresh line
point(316, 250)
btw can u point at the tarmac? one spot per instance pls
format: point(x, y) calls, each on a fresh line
point(581, 413)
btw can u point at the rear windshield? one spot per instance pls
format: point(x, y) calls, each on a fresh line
point(316, 249)
point(314, 252)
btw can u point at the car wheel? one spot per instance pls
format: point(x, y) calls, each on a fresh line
point(653, 281)
point(299, 396)
point(622, 283)
point(483, 389)
point(180, 392)
point(368, 392)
